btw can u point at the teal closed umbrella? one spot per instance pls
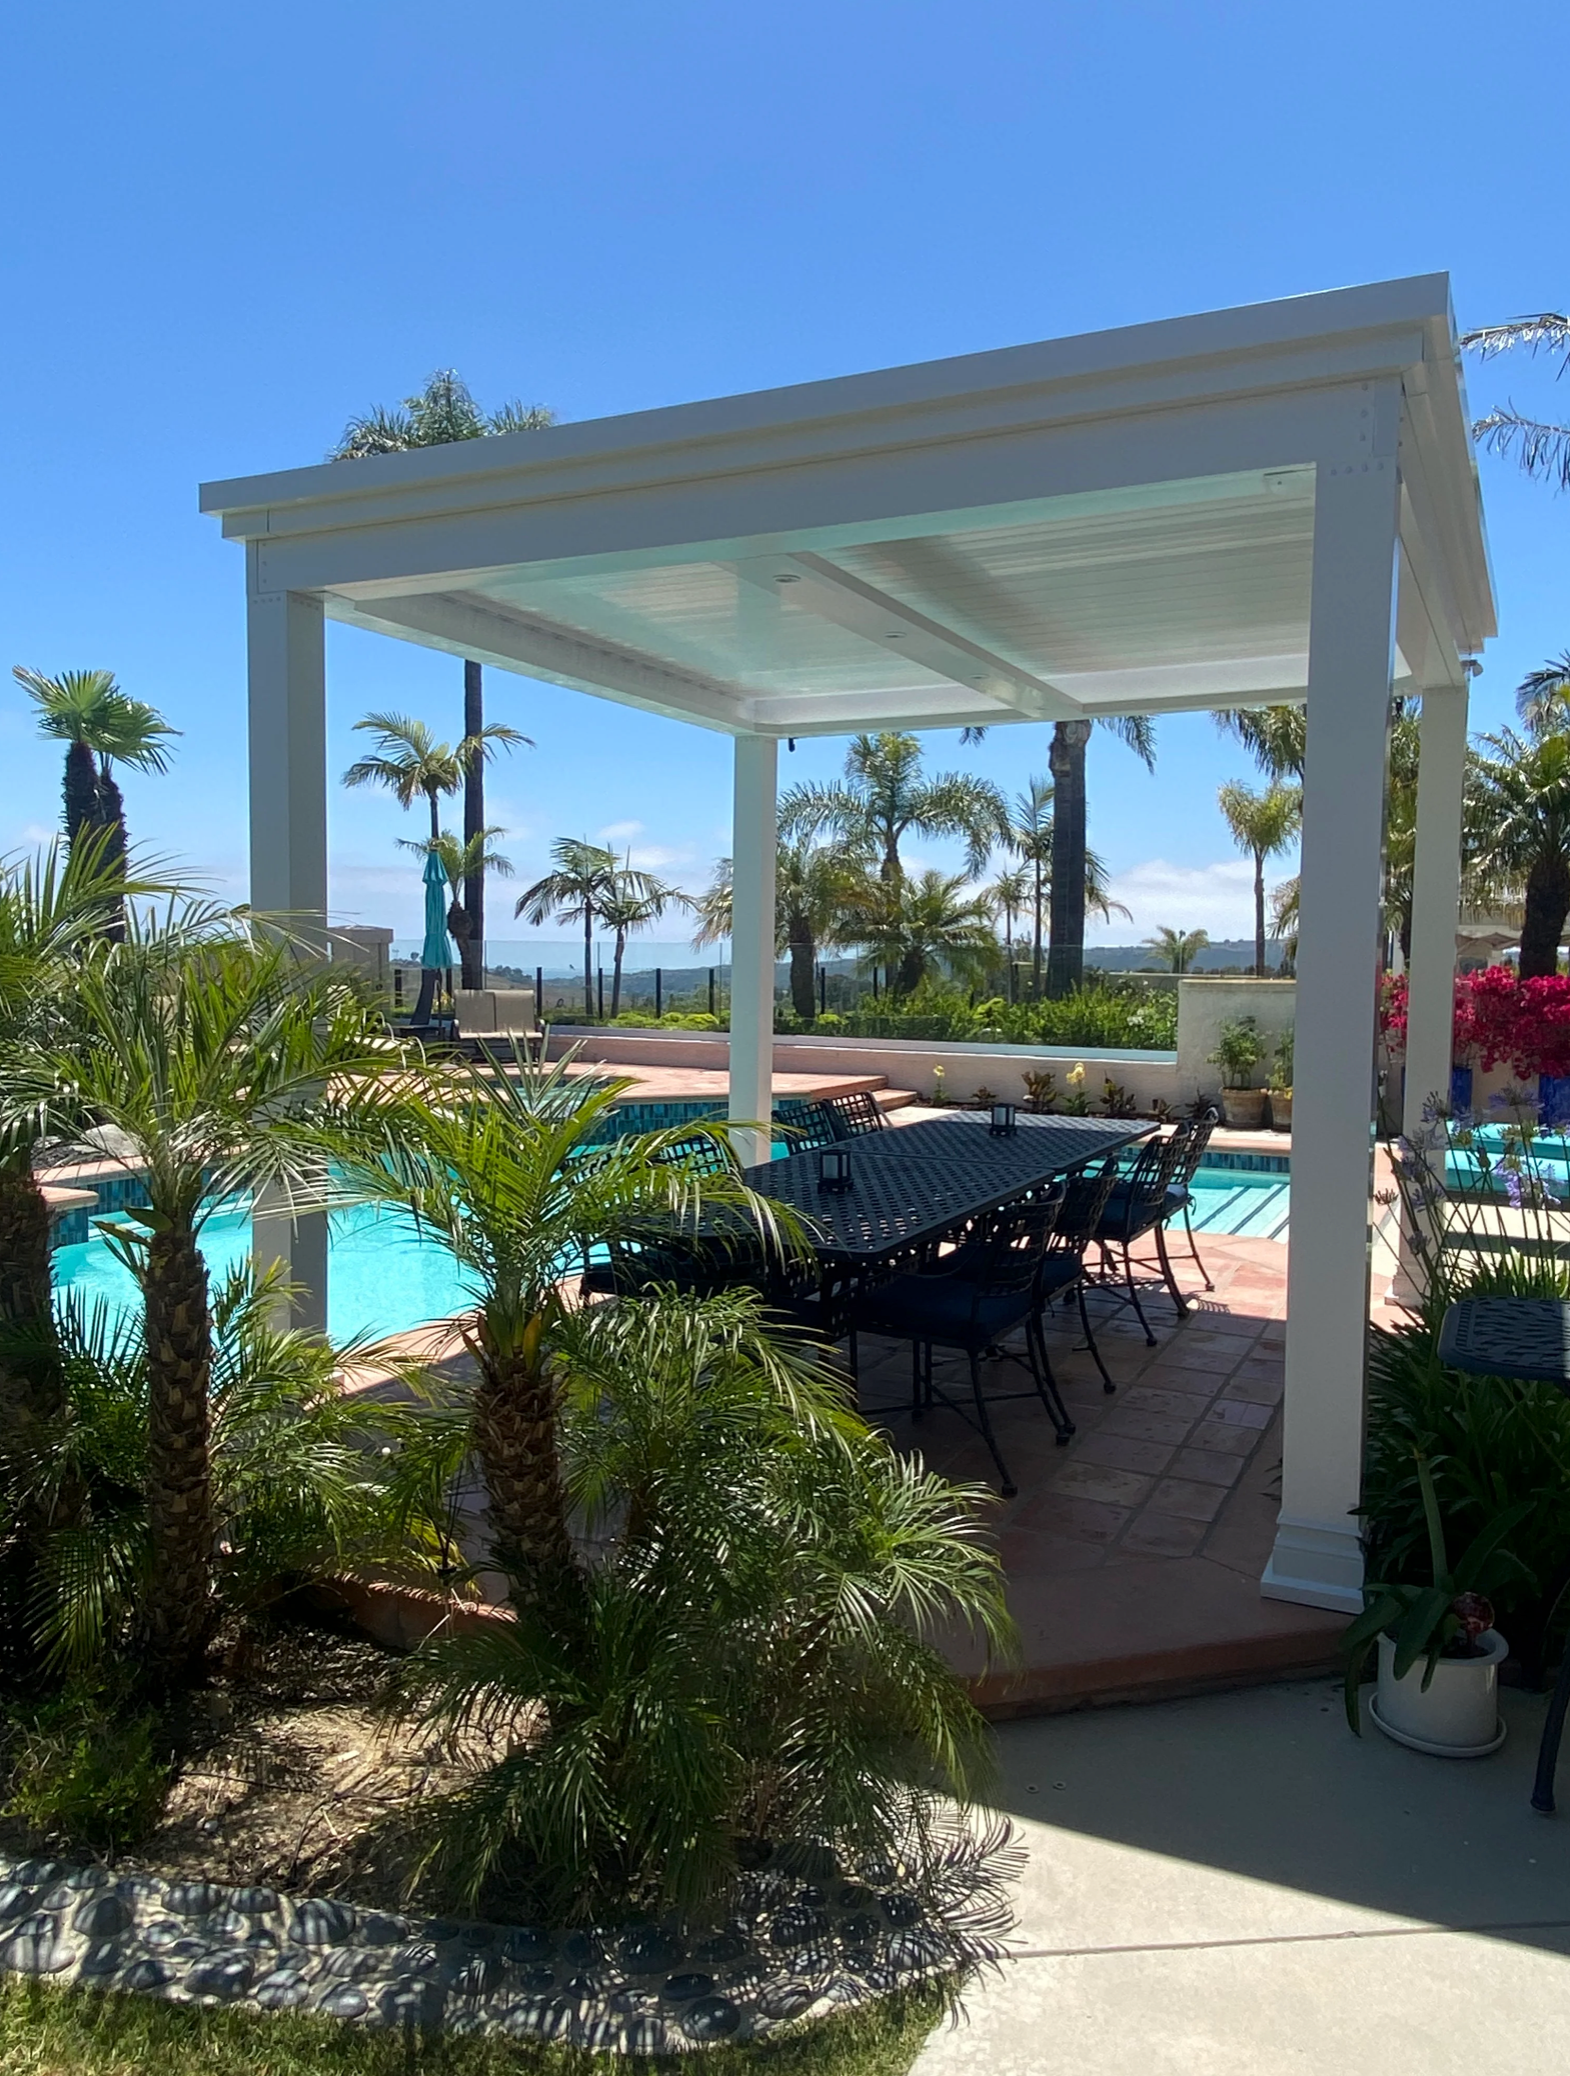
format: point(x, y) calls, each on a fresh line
point(436, 953)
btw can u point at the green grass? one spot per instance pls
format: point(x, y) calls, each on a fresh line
point(67, 2032)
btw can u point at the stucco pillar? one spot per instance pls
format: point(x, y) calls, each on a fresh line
point(752, 943)
point(288, 798)
point(1317, 1559)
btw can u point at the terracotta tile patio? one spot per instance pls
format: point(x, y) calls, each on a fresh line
point(1134, 1553)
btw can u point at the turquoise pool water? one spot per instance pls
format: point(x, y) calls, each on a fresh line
point(1252, 1203)
point(383, 1276)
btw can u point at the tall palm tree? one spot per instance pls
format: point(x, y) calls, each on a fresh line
point(511, 1171)
point(458, 861)
point(636, 900)
point(918, 928)
point(817, 888)
point(1011, 895)
point(214, 1058)
point(98, 723)
point(1518, 830)
point(412, 764)
point(1542, 448)
point(1176, 950)
point(1274, 736)
point(444, 411)
point(1542, 699)
point(1262, 824)
point(1066, 761)
point(885, 797)
point(1032, 835)
point(584, 880)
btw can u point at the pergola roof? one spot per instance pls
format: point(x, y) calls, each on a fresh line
point(1117, 522)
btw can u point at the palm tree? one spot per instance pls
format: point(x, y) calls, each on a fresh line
point(98, 723)
point(513, 1173)
point(636, 900)
point(1262, 824)
point(816, 889)
point(1010, 895)
point(884, 797)
point(1032, 836)
point(411, 763)
point(1518, 829)
point(1070, 859)
point(212, 1055)
point(920, 927)
point(458, 863)
point(1543, 449)
point(584, 880)
point(1176, 950)
point(444, 411)
point(1274, 736)
point(1542, 699)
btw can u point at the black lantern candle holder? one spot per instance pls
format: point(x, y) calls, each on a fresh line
point(1005, 1120)
point(834, 1169)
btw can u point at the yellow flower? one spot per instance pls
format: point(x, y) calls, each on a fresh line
point(1076, 1073)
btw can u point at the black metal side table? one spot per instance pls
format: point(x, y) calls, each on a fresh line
point(1527, 1339)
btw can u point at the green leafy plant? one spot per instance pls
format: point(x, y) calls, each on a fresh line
point(1281, 1065)
point(754, 1662)
point(1041, 1091)
point(1443, 1618)
point(1239, 1050)
point(1116, 1100)
point(983, 1098)
point(84, 1770)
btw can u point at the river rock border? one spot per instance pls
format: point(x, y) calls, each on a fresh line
point(794, 1943)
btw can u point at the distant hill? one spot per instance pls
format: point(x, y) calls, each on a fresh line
point(1224, 954)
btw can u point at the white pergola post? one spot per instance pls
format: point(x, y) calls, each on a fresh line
point(1436, 901)
point(1317, 1559)
point(288, 771)
point(752, 944)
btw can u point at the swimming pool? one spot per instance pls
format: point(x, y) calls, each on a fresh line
point(1249, 1203)
point(383, 1276)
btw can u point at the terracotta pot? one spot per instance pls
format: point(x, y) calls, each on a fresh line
point(1281, 1109)
point(1458, 1718)
point(1243, 1108)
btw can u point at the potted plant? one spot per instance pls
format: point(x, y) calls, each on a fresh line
point(1439, 1652)
point(1239, 1051)
point(1281, 1083)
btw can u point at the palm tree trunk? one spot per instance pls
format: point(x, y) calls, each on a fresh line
point(1036, 966)
point(1542, 926)
point(81, 790)
point(1066, 952)
point(803, 958)
point(472, 942)
point(31, 1387)
point(588, 956)
point(911, 968)
point(179, 1611)
point(515, 1440)
point(621, 947)
point(109, 816)
point(1259, 915)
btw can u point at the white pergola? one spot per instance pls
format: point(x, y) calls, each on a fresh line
point(1270, 503)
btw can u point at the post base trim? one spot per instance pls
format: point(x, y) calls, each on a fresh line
point(1315, 1564)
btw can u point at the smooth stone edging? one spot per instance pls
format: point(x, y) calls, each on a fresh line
point(794, 1943)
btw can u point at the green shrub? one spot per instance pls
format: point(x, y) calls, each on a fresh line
point(83, 1770)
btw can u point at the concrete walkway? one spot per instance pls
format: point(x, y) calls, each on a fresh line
point(1234, 1886)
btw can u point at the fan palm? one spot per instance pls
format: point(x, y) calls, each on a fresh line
point(1542, 449)
point(885, 797)
point(585, 879)
point(758, 1656)
point(211, 1055)
point(1518, 829)
point(918, 928)
point(99, 724)
point(1262, 824)
point(510, 1171)
point(816, 889)
point(1176, 950)
point(444, 411)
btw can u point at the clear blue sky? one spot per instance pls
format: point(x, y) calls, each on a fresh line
point(226, 230)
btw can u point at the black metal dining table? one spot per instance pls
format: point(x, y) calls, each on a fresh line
point(912, 1184)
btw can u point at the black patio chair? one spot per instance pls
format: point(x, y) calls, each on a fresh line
point(969, 1301)
point(1136, 1205)
point(853, 1114)
point(706, 1153)
point(1195, 1133)
point(807, 1127)
point(1065, 1268)
point(659, 1253)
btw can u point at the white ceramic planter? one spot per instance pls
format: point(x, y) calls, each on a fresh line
point(1458, 1718)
